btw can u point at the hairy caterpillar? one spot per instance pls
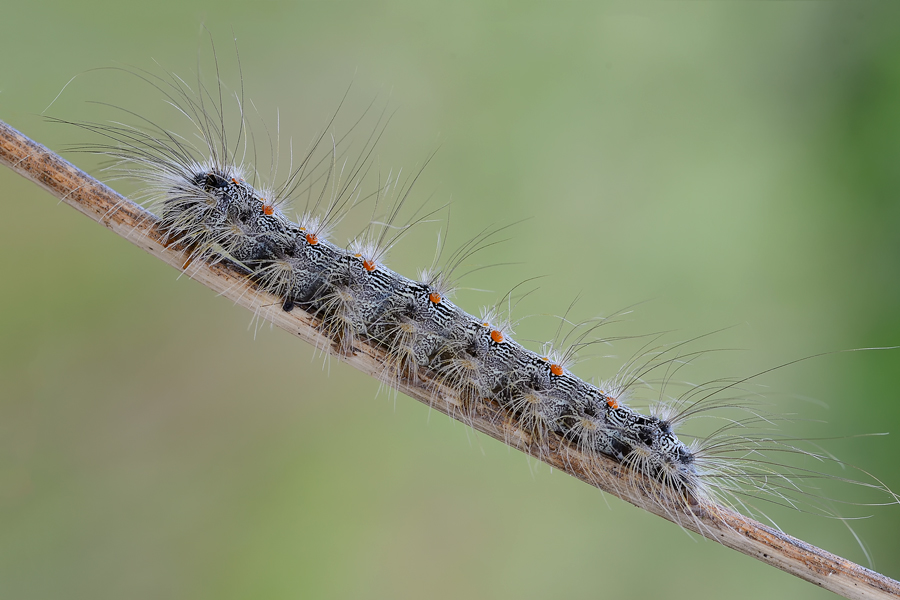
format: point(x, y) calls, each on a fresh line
point(538, 419)
point(205, 203)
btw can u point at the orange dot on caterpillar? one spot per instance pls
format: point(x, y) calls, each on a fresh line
point(555, 369)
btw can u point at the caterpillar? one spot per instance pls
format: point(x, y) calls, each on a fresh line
point(210, 204)
point(205, 203)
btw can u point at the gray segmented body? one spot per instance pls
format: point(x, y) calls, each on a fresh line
point(222, 217)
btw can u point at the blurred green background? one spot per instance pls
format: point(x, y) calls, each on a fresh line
point(732, 163)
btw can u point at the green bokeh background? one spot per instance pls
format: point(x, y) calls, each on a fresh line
point(732, 163)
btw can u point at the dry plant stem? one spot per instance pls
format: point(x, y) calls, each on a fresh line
point(100, 203)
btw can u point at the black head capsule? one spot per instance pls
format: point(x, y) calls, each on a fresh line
point(211, 181)
point(684, 456)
